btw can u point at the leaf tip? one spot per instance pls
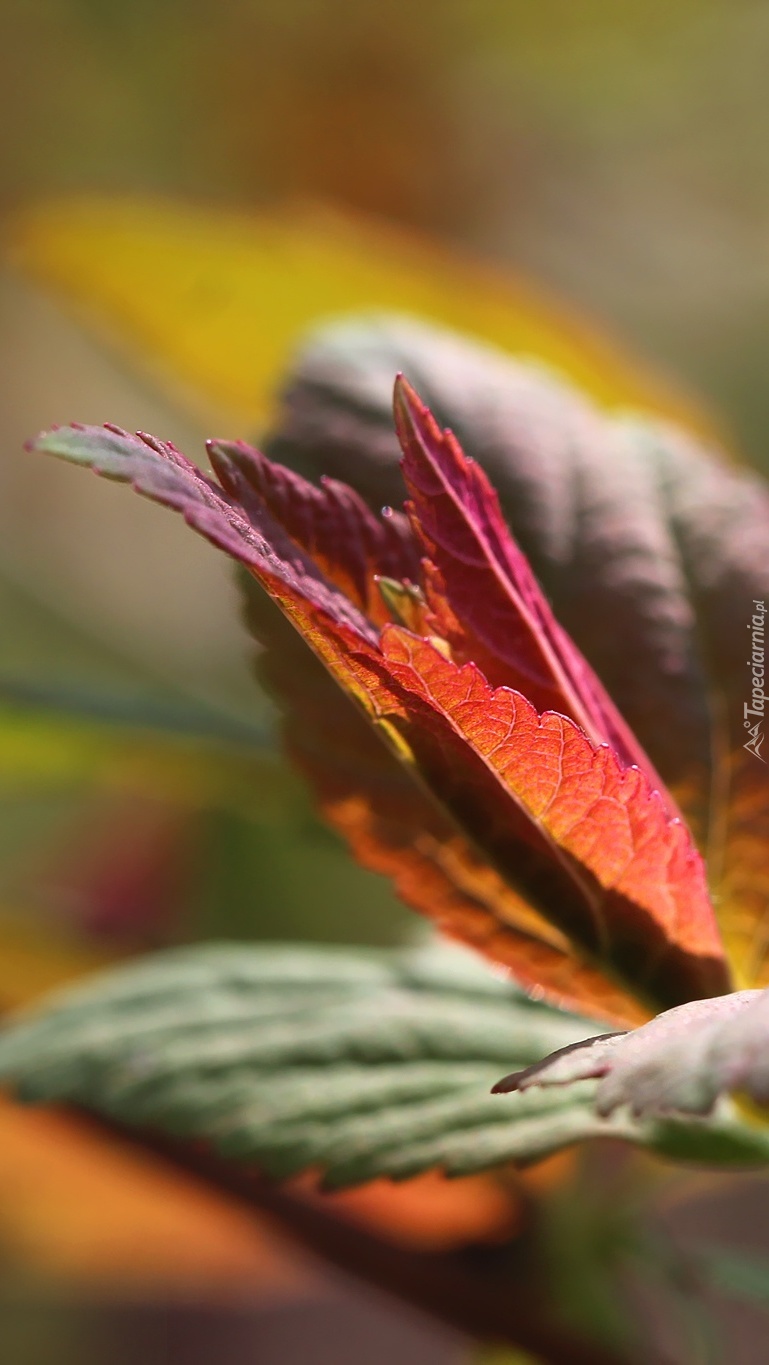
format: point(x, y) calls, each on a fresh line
point(409, 411)
point(41, 443)
point(508, 1084)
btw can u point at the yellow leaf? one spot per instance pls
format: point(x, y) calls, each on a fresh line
point(216, 301)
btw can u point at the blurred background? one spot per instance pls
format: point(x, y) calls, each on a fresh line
point(609, 166)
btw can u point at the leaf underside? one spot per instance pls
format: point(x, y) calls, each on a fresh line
point(351, 1063)
point(684, 1061)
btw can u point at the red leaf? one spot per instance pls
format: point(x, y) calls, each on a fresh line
point(573, 837)
point(497, 615)
point(588, 843)
point(393, 827)
point(652, 549)
point(318, 520)
point(347, 541)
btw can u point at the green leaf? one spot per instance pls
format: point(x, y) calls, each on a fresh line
point(361, 1063)
point(353, 1062)
point(118, 708)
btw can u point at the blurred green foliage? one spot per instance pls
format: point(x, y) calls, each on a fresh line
point(82, 728)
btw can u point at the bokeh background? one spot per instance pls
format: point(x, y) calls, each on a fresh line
point(611, 164)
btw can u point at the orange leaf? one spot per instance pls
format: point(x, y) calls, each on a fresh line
point(393, 827)
point(590, 844)
point(584, 839)
point(652, 548)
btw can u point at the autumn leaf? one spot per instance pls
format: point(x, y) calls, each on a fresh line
point(586, 843)
point(394, 828)
point(484, 598)
point(651, 546)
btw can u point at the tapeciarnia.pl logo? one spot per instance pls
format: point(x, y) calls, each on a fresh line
point(753, 711)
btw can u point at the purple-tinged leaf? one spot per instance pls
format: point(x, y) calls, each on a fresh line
point(348, 542)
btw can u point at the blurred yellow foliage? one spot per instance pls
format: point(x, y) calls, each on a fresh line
point(217, 301)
